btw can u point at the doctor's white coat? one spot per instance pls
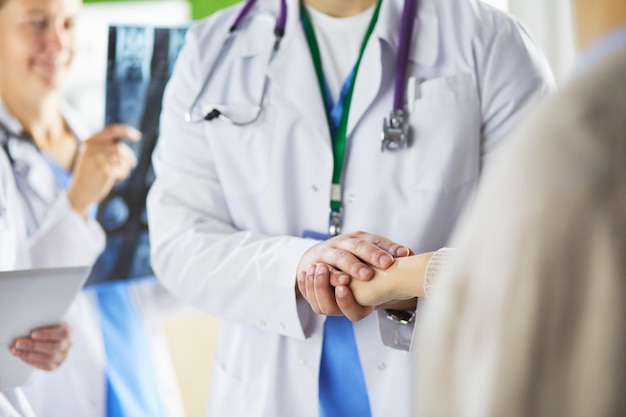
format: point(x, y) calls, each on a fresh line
point(64, 238)
point(230, 204)
point(13, 255)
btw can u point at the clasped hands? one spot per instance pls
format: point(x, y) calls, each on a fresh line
point(336, 276)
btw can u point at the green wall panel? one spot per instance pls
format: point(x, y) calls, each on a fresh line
point(202, 8)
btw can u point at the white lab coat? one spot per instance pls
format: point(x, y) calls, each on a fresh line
point(78, 387)
point(229, 203)
point(13, 403)
point(64, 238)
point(13, 255)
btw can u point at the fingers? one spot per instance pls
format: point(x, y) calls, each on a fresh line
point(382, 243)
point(113, 155)
point(102, 161)
point(53, 333)
point(351, 253)
point(120, 162)
point(367, 248)
point(331, 252)
point(43, 355)
point(327, 268)
point(314, 284)
point(338, 278)
point(348, 305)
point(324, 292)
point(46, 349)
point(114, 133)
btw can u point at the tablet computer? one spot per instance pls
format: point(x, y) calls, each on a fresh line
point(30, 299)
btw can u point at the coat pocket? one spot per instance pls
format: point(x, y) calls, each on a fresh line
point(445, 127)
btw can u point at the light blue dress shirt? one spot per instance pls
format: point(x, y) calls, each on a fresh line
point(600, 49)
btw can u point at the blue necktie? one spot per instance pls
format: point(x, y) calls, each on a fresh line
point(131, 383)
point(342, 391)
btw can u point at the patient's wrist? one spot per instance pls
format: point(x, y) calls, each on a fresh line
point(410, 272)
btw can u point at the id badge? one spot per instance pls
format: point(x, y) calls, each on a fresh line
point(311, 234)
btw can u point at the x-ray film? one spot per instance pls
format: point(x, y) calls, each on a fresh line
point(140, 62)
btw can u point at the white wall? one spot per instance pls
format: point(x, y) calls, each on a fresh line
point(503, 4)
point(550, 23)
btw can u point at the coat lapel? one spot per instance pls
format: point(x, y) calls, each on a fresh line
point(291, 71)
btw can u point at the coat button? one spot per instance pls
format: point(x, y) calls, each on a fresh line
point(382, 366)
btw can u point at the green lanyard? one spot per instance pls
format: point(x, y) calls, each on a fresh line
point(339, 139)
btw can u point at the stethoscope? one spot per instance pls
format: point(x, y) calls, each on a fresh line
point(20, 171)
point(396, 129)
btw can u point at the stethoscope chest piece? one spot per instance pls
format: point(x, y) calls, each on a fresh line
point(396, 131)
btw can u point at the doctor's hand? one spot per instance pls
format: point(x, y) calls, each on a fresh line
point(388, 289)
point(339, 260)
point(324, 298)
point(102, 161)
point(46, 348)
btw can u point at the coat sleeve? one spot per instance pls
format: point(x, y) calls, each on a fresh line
point(513, 74)
point(197, 252)
point(65, 238)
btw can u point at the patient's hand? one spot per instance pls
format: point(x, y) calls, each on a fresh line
point(404, 280)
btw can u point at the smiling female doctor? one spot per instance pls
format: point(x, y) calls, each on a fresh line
point(271, 142)
point(119, 363)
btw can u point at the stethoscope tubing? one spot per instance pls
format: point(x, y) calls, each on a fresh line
point(406, 31)
point(230, 37)
point(396, 131)
point(279, 31)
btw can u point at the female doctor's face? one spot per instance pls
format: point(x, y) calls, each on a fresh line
point(36, 43)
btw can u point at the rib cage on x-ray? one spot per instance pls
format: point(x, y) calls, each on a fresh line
point(140, 61)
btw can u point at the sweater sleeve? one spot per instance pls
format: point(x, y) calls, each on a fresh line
point(440, 260)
